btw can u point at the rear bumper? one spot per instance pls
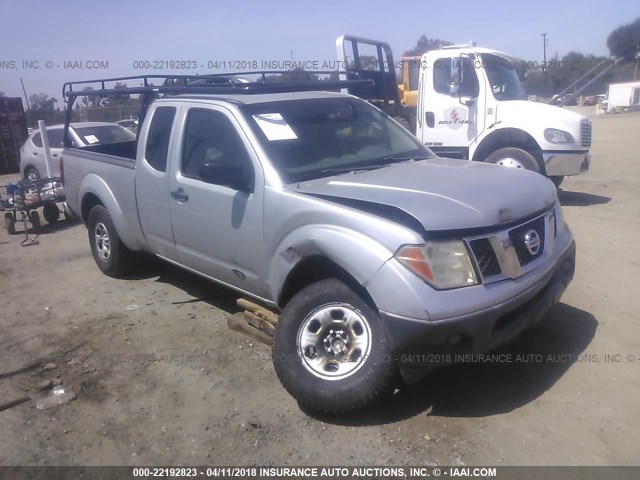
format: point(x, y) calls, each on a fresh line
point(561, 164)
point(425, 345)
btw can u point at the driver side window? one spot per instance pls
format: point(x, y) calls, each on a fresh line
point(210, 138)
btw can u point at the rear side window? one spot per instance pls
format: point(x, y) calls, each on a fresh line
point(37, 140)
point(158, 138)
point(55, 138)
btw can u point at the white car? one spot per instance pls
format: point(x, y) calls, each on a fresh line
point(32, 162)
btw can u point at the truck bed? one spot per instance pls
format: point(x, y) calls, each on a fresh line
point(123, 149)
point(108, 171)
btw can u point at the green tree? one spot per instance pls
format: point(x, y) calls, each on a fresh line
point(92, 100)
point(624, 41)
point(425, 44)
point(42, 102)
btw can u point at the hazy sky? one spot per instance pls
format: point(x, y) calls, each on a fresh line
point(122, 32)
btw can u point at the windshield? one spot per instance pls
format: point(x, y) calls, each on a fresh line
point(104, 134)
point(315, 138)
point(503, 79)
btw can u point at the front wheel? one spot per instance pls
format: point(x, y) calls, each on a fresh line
point(110, 254)
point(514, 158)
point(330, 350)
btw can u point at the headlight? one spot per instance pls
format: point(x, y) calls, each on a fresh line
point(557, 136)
point(443, 265)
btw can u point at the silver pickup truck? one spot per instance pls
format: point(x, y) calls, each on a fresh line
point(376, 253)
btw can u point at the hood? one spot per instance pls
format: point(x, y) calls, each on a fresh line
point(443, 194)
point(556, 117)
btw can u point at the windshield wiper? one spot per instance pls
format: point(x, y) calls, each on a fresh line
point(362, 168)
point(404, 159)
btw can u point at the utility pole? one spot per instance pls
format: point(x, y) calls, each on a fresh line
point(544, 58)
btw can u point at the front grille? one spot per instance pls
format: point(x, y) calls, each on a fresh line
point(485, 256)
point(585, 132)
point(519, 240)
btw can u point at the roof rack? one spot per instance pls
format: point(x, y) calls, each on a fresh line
point(220, 83)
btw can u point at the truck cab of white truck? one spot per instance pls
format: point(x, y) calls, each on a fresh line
point(471, 105)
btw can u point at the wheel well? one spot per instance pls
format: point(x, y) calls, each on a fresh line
point(88, 202)
point(509, 137)
point(315, 268)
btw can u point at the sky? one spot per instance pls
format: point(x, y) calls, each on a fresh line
point(115, 36)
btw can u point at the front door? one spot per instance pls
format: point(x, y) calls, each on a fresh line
point(449, 122)
point(217, 228)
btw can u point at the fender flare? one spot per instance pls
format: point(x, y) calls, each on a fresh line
point(358, 255)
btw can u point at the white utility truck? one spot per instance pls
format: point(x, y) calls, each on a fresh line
point(471, 105)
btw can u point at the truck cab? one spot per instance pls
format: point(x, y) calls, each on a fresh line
point(471, 105)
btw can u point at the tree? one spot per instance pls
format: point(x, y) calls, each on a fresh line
point(42, 102)
point(624, 41)
point(92, 100)
point(425, 44)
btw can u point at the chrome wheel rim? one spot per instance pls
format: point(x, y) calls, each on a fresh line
point(510, 162)
point(103, 242)
point(32, 176)
point(334, 341)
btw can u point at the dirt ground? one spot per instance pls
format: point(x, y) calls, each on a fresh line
point(160, 382)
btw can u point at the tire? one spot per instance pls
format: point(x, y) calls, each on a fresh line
point(109, 253)
point(306, 331)
point(514, 158)
point(50, 213)
point(36, 224)
point(10, 223)
point(557, 180)
point(31, 174)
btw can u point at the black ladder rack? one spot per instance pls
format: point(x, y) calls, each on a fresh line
point(219, 83)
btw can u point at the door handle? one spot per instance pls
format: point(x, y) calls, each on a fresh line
point(34, 153)
point(54, 155)
point(430, 118)
point(180, 195)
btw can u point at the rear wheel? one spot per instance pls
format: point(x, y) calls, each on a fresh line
point(32, 174)
point(514, 158)
point(110, 254)
point(330, 350)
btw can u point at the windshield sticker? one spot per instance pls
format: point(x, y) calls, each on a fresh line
point(274, 127)
point(91, 139)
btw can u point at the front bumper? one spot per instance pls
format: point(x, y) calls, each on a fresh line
point(570, 163)
point(426, 345)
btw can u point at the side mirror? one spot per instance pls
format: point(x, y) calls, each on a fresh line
point(230, 176)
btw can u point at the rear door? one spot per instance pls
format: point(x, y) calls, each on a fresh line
point(152, 178)
point(217, 229)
